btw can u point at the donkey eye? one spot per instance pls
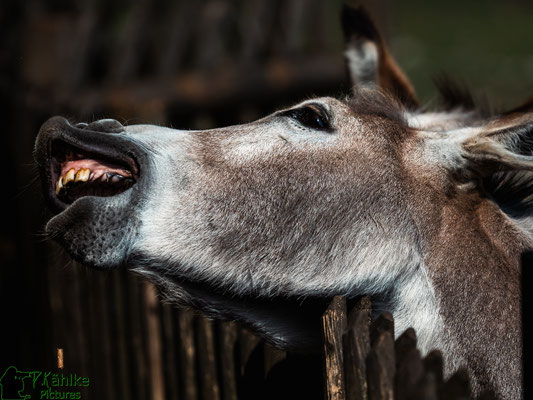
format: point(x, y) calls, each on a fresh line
point(313, 117)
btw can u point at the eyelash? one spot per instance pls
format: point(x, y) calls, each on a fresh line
point(310, 117)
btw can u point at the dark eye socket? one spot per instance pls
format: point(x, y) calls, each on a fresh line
point(310, 116)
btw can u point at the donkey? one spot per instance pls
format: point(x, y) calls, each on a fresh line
point(428, 212)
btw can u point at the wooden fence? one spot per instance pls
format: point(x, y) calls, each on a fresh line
point(363, 361)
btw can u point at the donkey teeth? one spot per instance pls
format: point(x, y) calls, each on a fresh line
point(59, 186)
point(82, 175)
point(112, 177)
point(69, 176)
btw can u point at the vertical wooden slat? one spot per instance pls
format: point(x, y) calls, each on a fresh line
point(457, 387)
point(404, 344)
point(81, 319)
point(490, 395)
point(383, 323)
point(363, 304)
point(356, 344)
point(95, 351)
point(169, 352)
point(104, 332)
point(380, 365)
point(122, 335)
point(126, 54)
point(409, 367)
point(181, 24)
point(293, 21)
point(56, 303)
point(247, 343)
point(425, 389)
point(187, 350)
point(334, 323)
point(251, 363)
point(273, 356)
point(212, 22)
point(84, 290)
point(154, 343)
point(256, 16)
point(227, 334)
point(136, 310)
point(434, 364)
point(80, 43)
point(209, 387)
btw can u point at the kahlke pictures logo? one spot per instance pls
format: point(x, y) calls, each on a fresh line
point(26, 385)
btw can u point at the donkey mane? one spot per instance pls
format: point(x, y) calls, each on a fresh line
point(454, 94)
point(372, 100)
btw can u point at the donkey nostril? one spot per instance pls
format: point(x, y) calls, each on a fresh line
point(105, 125)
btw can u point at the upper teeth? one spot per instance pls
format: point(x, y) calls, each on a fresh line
point(86, 174)
point(82, 175)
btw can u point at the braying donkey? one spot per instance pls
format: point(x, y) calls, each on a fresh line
point(428, 212)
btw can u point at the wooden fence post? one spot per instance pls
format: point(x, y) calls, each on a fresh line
point(356, 343)
point(333, 326)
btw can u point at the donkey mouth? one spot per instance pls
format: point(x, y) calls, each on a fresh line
point(77, 162)
point(76, 173)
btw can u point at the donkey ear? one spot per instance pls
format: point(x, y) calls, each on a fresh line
point(368, 61)
point(501, 148)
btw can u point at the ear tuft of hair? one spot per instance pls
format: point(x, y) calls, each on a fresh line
point(513, 191)
point(356, 23)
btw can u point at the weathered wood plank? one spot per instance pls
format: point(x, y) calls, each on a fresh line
point(247, 343)
point(409, 372)
point(434, 363)
point(104, 339)
point(169, 354)
point(409, 367)
point(251, 363)
point(356, 345)
point(122, 334)
point(334, 323)
point(425, 388)
point(187, 351)
point(209, 387)
point(273, 356)
point(380, 365)
point(404, 344)
point(227, 336)
point(489, 395)
point(457, 387)
point(154, 342)
point(363, 304)
point(383, 323)
point(136, 310)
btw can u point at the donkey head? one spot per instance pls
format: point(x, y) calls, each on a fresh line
point(263, 222)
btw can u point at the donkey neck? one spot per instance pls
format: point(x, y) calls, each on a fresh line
point(471, 252)
point(413, 304)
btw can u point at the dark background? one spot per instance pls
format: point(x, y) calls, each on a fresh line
point(186, 64)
